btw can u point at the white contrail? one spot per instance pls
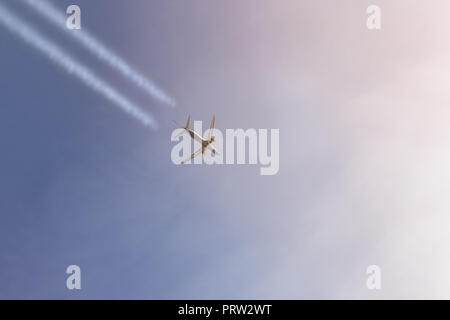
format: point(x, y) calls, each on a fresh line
point(52, 51)
point(52, 14)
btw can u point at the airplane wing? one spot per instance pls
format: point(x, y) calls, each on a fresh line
point(181, 132)
point(211, 128)
point(196, 153)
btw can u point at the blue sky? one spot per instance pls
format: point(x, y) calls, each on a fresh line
point(362, 154)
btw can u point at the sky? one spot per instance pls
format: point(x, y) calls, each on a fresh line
point(364, 160)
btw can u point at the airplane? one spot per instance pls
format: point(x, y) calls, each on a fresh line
point(206, 143)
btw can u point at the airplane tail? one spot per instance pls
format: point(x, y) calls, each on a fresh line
point(188, 121)
point(186, 128)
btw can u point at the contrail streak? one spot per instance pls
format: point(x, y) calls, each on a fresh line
point(53, 52)
point(52, 14)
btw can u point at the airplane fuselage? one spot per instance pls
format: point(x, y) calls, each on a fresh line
point(206, 144)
